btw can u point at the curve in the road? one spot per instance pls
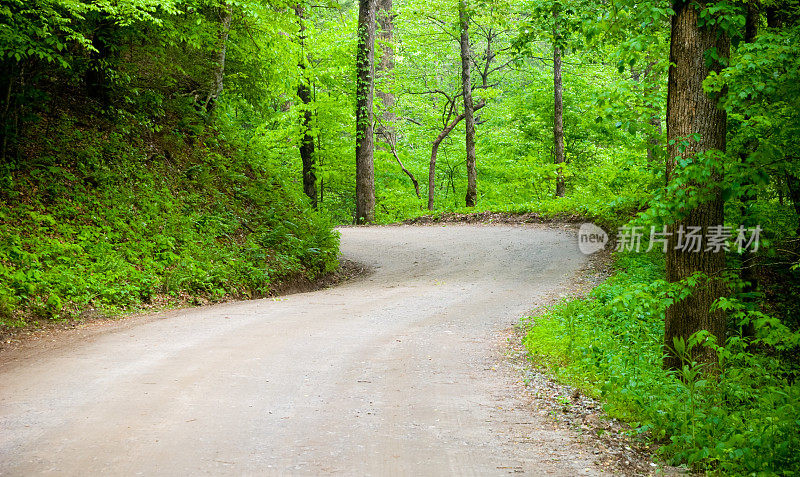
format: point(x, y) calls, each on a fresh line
point(393, 374)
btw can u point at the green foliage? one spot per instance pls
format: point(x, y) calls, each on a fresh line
point(741, 421)
point(124, 177)
point(45, 29)
point(202, 220)
point(762, 86)
point(609, 177)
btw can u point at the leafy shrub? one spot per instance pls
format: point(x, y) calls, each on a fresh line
point(610, 344)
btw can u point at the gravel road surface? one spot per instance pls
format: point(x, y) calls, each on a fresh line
point(395, 373)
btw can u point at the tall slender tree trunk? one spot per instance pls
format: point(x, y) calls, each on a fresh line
point(10, 71)
point(226, 14)
point(558, 109)
point(432, 170)
point(321, 159)
point(469, 108)
point(654, 155)
point(384, 68)
point(653, 143)
point(650, 88)
point(306, 119)
point(435, 150)
point(393, 149)
point(96, 76)
point(365, 86)
point(691, 111)
point(793, 186)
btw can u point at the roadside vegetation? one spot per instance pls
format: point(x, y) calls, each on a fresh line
point(188, 149)
point(610, 345)
point(126, 178)
point(105, 220)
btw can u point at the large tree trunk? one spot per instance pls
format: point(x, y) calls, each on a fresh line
point(558, 112)
point(225, 16)
point(691, 111)
point(469, 117)
point(386, 124)
point(307, 144)
point(307, 141)
point(365, 85)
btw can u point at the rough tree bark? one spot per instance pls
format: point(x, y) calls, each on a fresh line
point(469, 107)
point(558, 109)
point(691, 111)
point(386, 124)
point(306, 119)
point(365, 86)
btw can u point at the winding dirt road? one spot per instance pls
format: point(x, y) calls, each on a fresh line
point(397, 373)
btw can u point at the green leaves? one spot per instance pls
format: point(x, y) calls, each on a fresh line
point(193, 225)
point(729, 16)
point(742, 421)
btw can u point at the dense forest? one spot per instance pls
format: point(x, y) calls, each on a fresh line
point(193, 150)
